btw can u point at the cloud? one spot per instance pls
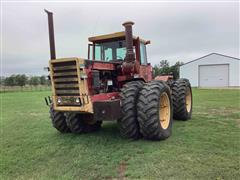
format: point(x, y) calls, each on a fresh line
point(178, 31)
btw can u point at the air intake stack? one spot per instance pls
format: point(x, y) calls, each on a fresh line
point(130, 56)
point(51, 34)
point(129, 60)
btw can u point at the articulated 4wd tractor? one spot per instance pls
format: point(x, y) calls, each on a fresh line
point(114, 83)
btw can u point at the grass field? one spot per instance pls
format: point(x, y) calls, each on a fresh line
point(206, 147)
point(24, 88)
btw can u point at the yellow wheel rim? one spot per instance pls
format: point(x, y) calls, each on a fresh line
point(188, 100)
point(164, 110)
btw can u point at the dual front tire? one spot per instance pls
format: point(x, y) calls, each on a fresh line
point(58, 120)
point(82, 123)
point(73, 122)
point(182, 99)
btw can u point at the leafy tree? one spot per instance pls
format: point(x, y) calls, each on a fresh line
point(163, 68)
point(175, 69)
point(34, 80)
point(43, 80)
point(21, 79)
point(156, 70)
point(10, 81)
point(2, 80)
point(164, 64)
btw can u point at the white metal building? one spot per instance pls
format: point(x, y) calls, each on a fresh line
point(212, 70)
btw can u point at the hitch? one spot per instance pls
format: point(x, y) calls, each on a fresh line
point(48, 100)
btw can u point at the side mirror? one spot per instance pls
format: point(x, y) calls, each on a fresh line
point(147, 42)
point(46, 69)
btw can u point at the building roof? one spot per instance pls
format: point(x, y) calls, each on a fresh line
point(210, 55)
point(108, 37)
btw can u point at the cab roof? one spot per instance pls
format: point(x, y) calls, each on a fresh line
point(111, 37)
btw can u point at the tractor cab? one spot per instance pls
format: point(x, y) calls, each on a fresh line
point(112, 48)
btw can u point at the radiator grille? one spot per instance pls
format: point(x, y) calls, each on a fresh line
point(66, 82)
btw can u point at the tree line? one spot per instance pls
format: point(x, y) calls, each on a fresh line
point(163, 68)
point(22, 80)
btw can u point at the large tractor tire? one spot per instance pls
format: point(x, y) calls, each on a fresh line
point(154, 109)
point(182, 99)
point(75, 124)
point(90, 124)
point(58, 120)
point(170, 83)
point(80, 123)
point(128, 123)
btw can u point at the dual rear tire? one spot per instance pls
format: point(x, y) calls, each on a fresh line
point(154, 111)
point(182, 99)
point(146, 110)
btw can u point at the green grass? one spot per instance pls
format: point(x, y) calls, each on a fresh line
point(4, 89)
point(206, 147)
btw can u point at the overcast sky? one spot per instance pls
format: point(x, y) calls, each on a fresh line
point(178, 31)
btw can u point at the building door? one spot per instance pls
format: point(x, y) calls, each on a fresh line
point(214, 75)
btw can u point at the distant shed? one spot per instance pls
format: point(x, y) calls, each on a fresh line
point(212, 70)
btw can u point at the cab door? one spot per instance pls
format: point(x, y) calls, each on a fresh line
point(145, 67)
point(95, 52)
point(90, 51)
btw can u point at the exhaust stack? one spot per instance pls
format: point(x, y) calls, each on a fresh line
point(130, 56)
point(51, 34)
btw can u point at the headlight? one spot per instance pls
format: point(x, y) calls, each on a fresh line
point(77, 100)
point(83, 76)
point(59, 100)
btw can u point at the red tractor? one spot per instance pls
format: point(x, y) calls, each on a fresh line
point(114, 83)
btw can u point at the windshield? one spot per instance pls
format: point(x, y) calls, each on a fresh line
point(110, 51)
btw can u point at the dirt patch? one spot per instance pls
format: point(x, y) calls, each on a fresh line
point(121, 170)
point(35, 114)
point(223, 111)
point(108, 178)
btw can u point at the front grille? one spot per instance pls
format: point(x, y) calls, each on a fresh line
point(65, 78)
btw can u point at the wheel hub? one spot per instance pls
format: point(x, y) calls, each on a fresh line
point(188, 100)
point(164, 110)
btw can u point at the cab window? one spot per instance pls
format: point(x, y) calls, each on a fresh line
point(143, 55)
point(108, 51)
point(97, 52)
point(108, 54)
